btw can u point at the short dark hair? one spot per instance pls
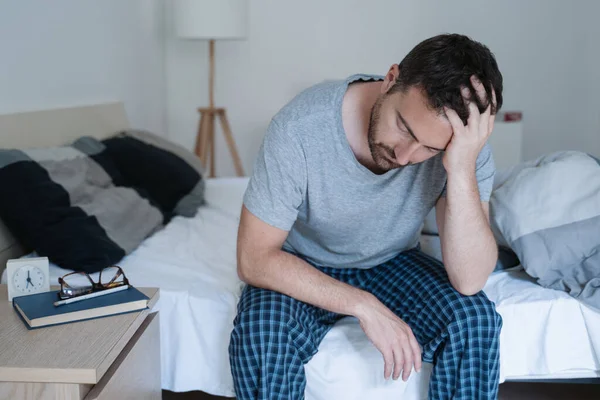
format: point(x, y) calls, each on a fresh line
point(442, 64)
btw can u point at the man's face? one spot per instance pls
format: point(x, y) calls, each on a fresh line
point(403, 130)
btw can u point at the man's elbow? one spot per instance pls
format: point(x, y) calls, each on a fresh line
point(244, 270)
point(250, 268)
point(243, 274)
point(474, 283)
point(467, 288)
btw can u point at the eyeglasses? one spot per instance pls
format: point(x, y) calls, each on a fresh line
point(81, 283)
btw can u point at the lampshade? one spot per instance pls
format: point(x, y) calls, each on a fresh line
point(211, 19)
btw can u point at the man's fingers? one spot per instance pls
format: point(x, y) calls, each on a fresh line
point(455, 121)
point(408, 361)
point(416, 352)
point(482, 95)
point(479, 89)
point(473, 119)
point(493, 116)
point(491, 125)
point(399, 357)
point(487, 116)
point(388, 359)
point(484, 124)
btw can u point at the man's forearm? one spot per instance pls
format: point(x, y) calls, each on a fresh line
point(285, 273)
point(469, 248)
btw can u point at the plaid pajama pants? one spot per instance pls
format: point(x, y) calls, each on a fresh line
point(274, 335)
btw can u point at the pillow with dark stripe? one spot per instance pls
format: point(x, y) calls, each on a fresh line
point(62, 203)
point(169, 174)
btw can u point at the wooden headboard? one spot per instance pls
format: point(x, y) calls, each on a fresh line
point(55, 127)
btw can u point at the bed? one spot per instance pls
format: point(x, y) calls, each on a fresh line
point(546, 333)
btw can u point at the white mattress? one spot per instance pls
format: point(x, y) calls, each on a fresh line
point(546, 334)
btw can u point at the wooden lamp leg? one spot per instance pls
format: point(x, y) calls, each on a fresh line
point(199, 136)
point(203, 137)
point(210, 148)
point(231, 143)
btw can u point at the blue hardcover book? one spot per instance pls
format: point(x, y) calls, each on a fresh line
point(38, 310)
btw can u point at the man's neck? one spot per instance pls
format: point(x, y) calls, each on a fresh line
point(356, 113)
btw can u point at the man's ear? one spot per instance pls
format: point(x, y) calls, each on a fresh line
point(390, 78)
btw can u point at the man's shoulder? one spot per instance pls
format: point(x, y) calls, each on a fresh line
point(312, 102)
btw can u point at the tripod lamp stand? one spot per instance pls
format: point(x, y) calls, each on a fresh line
point(212, 20)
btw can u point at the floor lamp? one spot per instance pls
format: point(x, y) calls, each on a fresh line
point(212, 20)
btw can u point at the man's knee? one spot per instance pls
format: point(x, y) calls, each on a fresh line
point(476, 315)
point(260, 323)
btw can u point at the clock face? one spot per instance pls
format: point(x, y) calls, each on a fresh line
point(28, 279)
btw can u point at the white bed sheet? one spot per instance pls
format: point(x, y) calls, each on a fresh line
point(546, 334)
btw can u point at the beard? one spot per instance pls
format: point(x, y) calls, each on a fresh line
point(380, 152)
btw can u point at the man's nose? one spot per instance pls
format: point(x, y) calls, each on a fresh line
point(404, 154)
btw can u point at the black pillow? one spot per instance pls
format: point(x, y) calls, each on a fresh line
point(174, 185)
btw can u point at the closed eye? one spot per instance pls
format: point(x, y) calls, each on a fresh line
point(403, 129)
point(403, 126)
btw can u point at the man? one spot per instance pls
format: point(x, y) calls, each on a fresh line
point(344, 179)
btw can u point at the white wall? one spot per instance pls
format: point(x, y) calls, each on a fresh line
point(74, 52)
point(546, 49)
point(593, 49)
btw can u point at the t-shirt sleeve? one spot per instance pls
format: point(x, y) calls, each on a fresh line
point(278, 182)
point(485, 171)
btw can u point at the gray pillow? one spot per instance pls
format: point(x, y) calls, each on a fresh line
point(548, 211)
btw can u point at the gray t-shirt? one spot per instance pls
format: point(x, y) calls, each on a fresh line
point(307, 181)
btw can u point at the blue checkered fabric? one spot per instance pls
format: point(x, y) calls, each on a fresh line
point(274, 335)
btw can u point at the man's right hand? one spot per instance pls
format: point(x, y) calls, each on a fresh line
point(392, 337)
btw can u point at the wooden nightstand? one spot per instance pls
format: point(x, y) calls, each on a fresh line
point(116, 357)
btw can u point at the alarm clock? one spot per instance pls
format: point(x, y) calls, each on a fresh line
point(27, 276)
